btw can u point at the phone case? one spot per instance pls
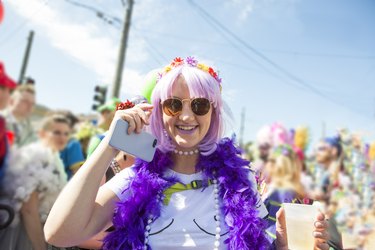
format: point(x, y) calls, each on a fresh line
point(141, 145)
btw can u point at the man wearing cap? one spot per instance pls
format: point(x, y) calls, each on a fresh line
point(6, 85)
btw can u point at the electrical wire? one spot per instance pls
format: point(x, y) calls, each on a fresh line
point(99, 13)
point(265, 50)
point(19, 27)
point(275, 65)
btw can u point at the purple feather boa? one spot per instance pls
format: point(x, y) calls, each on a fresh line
point(246, 230)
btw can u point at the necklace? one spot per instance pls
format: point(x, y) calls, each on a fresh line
point(196, 151)
point(224, 164)
point(217, 218)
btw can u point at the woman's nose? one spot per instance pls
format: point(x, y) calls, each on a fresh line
point(186, 113)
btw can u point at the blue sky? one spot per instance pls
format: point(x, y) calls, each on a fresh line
point(319, 67)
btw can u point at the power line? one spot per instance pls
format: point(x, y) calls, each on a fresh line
point(263, 57)
point(327, 55)
point(329, 91)
point(214, 24)
point(84, 6)
point(99, 13)
point(246, 45)
point(22, 25)
point(266, 50)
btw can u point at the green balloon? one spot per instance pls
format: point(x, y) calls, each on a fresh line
point(150, 83)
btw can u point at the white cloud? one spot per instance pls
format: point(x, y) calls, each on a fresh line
point(246, 8)
point(82, 41)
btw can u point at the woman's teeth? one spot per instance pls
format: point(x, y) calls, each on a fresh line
point(186, 128)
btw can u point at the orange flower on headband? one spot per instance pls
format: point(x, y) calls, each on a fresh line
point(177, 62)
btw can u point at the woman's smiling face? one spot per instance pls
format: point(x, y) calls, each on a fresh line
point(186, 129)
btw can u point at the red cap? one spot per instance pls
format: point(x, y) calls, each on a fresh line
point(5, 80)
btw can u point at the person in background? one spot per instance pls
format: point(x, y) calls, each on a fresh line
point(17, 115)
point(32, 183)
point(6, 140)
point(106, 113)
point(6, 86)
point(284, 186)
point(328, 157)
point(268, 137)
point(85, 131)
point(72, 155)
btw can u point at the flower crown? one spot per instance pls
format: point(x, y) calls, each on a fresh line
point(192, 62)
point(284, 149)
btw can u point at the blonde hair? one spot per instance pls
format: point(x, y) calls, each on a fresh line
point(286, 173)
point(24, 88)
point(53, 118)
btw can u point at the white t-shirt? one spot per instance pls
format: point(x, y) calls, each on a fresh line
point(188, 220)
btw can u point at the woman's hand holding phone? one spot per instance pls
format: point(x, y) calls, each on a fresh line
point(126, 132)
point(137, 117)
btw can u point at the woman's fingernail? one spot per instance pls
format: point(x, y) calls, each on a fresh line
point(318, 224)
point(317, 234)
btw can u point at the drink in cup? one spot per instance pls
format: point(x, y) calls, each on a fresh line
point(300, 220)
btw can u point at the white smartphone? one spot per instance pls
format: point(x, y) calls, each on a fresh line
point(141, 145)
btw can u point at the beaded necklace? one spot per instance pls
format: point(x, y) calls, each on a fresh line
point(235, 201)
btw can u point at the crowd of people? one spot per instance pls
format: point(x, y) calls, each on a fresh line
point(64, 187)
point(337, 174)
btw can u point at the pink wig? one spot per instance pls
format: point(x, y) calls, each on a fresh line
point(200, 84)
point(274, 135)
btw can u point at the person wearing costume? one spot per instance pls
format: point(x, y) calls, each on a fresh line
point(196, 193)
point(31, 184)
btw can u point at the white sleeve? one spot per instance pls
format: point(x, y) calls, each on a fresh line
point(262, 210)
point(120, 182)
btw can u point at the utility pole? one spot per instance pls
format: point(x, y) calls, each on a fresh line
point(26, 56)
point(122, 52)
point(242, 128)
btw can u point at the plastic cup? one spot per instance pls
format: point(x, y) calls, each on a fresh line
point(300, 220)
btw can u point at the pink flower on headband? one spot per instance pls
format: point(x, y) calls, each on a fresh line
point(191, 61)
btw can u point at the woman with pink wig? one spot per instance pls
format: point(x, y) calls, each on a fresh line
point(196, 193)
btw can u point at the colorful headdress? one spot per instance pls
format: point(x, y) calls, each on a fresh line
point(155, 75)
point(301, 137)
point(371, 152)
point(280, 135)
point(283, 149)
point(192, 62)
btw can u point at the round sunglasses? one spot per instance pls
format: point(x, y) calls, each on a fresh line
point(173, 106)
